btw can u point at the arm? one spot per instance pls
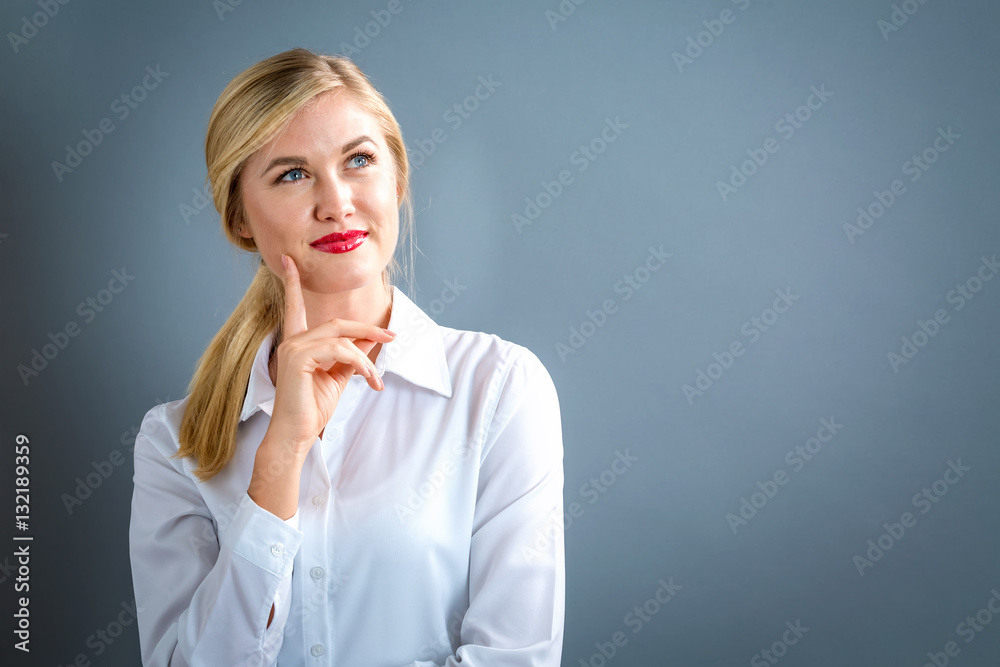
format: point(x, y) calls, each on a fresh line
point(517, 561)
point(203, 597)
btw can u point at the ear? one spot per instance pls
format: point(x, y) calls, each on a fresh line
point(244, 233)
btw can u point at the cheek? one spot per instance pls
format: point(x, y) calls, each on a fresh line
point(390, 229)
point(270, 240)
point(266, 217)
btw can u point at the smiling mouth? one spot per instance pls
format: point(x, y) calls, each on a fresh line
point(339, 237)
point(341, 242)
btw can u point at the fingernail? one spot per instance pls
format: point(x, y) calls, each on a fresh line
point(391, 333)
point(284, 262)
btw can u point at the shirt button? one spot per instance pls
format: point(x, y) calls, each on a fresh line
point(317, 573)
point(319, 500)
point(317, 650)
point(334, 433)
point(277, 548)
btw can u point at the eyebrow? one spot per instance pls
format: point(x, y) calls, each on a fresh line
point(294, 159)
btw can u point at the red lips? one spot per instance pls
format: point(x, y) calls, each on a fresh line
point(340, 237)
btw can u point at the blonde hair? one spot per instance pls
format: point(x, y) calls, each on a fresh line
point(254, 106)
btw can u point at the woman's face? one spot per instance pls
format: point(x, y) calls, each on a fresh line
point(328, 172)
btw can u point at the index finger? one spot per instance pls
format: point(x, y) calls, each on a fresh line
point(295, 309)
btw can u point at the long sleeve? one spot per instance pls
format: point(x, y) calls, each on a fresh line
point(517, 561)
point(203, 594)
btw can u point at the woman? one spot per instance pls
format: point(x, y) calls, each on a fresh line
point(332, 492)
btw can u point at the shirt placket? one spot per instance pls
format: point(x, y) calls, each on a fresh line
point(319, 581)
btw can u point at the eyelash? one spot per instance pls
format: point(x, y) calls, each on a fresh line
point(365, 154)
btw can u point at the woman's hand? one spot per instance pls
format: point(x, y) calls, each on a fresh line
point(314, 367)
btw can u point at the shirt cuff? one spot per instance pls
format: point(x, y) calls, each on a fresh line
point(262, 538)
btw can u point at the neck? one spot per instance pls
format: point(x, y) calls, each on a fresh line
point(371, 304)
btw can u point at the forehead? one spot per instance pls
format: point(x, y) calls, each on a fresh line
point(324, 125)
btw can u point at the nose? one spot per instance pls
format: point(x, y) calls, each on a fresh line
point(333, 199)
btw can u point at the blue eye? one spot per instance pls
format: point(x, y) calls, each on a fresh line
point(369, 159)
point(291, 171)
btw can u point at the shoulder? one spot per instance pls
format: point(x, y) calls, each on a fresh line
point(490, 356)
point(159, 433)
point(519, 414)
point(508, 376)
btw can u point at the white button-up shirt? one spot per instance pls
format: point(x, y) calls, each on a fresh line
point(428, 529)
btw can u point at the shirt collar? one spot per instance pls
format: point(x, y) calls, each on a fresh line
point(416, 355)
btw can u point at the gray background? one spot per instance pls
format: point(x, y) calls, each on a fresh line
point(655, 185)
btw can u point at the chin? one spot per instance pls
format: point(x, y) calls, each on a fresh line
point(329, 282)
